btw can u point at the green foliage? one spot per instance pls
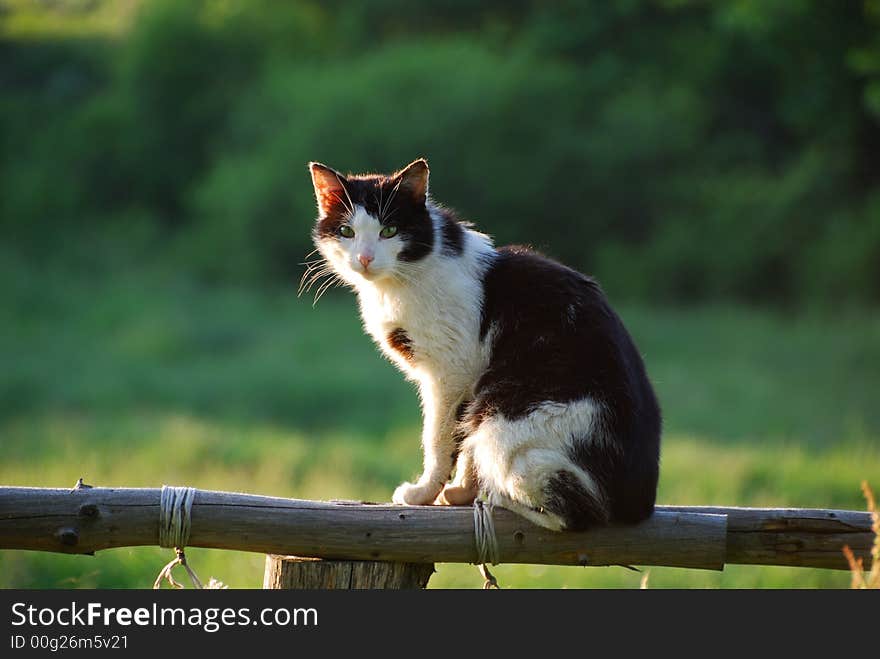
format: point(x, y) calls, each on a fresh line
point(258, 202)
point(155, 207)
point(682, 150)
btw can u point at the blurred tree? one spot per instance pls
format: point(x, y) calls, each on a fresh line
point(681, 150)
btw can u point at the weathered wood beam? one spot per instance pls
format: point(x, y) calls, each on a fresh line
point(798, 537)
point(91, 519)
point(296, 573)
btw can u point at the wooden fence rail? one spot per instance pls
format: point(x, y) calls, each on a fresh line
point(83, 521)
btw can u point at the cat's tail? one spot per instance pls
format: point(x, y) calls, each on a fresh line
point(576, 499)
point(525, 467)
point(566, 499)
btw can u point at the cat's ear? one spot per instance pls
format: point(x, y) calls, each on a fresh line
point(414, 180)
point(329, 187)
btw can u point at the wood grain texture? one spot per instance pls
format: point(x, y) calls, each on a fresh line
point(800, 537)
point(298, 573)
point(88, 520)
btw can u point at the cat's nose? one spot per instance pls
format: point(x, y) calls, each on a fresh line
point(365, 259)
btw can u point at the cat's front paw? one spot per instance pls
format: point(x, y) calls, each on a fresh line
point(457, 495)
point(414, 494)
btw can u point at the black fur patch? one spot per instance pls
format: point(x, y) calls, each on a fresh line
point(556, 338)
point(452, 233)
point(460, 432)
point(567, 497)
point(400, 342)
point(378, 196)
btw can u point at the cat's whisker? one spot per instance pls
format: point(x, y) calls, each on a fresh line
point(320, 259)
point(394, 191)
point(378, 200)
point(306, 284)
point(318, 275)
point(345, 190)
point(310, 271)
point(324, 288)
point(315, 265)
point(388, 203)
point(302, 281)
point(381, 206)
point(349, 210)
point(307, 289)
point(314, 280)
point(326, 285)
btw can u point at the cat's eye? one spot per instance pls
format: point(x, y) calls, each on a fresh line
point(346, 231)
point(388, 232)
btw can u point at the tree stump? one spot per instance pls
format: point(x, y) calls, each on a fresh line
point(296, 572)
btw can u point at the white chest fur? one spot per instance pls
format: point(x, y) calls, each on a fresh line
point(437, 312)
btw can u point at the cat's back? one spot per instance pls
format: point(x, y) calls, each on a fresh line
point(563, 364)
point(524, 290)
point(554, 327)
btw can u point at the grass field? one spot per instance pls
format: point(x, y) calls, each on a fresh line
point(142, 379)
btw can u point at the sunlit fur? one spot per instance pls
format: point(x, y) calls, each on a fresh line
point(342, 254)
point(526, 377)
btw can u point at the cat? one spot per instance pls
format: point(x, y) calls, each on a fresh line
point(532, 390)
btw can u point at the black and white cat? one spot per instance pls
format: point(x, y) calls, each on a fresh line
point(531, 387)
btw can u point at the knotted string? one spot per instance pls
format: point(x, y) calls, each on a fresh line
point(175, 508)
point(486, 541)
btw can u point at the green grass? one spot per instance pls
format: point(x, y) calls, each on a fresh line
point(142, 379)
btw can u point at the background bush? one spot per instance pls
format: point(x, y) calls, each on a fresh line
point(155, 207)
point(682, 151)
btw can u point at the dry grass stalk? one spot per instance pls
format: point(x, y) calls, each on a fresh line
point(860, 578)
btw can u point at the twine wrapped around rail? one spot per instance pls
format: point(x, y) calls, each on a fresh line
point(175, 510)
point(486, 541)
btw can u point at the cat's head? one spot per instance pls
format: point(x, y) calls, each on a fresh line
point(370, 227)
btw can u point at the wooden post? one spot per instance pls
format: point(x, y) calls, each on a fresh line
point(295, 572)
